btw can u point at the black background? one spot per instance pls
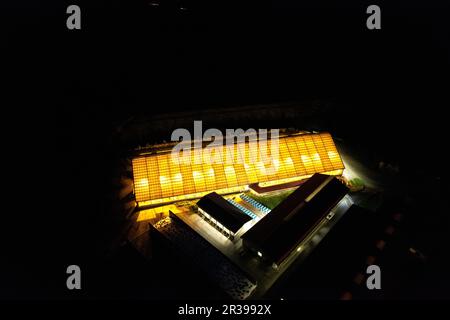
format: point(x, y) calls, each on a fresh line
point(65, 89)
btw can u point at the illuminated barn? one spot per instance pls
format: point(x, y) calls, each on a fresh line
point(159, 178)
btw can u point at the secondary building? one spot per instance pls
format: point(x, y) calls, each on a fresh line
point(222, 214)
point(280, 232)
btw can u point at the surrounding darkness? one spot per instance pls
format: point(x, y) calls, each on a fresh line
point(65, 92)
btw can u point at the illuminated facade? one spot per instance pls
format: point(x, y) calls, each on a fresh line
point(160, 178)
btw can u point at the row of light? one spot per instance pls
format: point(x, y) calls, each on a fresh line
point(255, 203)
point(243, 209)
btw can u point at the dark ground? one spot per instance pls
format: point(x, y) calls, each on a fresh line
point(67, 93)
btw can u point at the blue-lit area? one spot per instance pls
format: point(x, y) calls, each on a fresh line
point(243, 209)
point(255, 204)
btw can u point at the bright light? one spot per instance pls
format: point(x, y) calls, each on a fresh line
point(316, 157)
point(197, 175)
point(229, 170)
point(143, 183)
point(349, 173)
point(305, 159)
point(332, 154)
point(177, 178)
point(259, 254)
point(276, 163)
point(163, 180)
point(262, 169)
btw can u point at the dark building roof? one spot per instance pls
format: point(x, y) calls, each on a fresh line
point(282, 230)
point(223, 211)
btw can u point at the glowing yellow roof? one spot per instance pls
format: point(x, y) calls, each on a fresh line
point(158, 178)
